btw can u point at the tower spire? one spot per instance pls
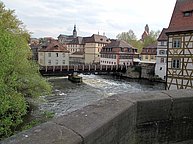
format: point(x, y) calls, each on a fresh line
point(74, 32)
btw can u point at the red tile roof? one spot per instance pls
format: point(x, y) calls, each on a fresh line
point(54, 46)
point(163, 36)
point(96, 39)
point(118, 44)
point(179, 22)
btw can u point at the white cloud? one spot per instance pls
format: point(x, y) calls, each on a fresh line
point(48, 17)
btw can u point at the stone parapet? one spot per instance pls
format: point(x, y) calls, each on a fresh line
point(138, 118)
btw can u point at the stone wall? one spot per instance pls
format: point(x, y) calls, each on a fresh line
point(142, 118)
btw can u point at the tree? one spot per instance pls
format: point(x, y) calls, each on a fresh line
point(131, 38)
point(151, 38)
point(19, 77)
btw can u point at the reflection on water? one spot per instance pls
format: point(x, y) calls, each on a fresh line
point(68, 96)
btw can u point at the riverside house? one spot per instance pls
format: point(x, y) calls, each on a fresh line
point(180, 46)
point(53, 54)
point(118, 52)
point(148, 54)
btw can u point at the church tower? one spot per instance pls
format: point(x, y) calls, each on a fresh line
point(74, 32)
point(145, 33)
point(147, 28)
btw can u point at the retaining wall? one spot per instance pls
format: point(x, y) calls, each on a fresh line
point(142, 118)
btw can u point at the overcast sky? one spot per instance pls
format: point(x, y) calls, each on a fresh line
point(53, 17)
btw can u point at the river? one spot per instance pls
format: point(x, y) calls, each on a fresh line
point(68, 96)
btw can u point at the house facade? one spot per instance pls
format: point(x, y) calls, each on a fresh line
point(76, 45)
point(54, 54)
point(161, 58)
point(180, 46)
point(117, 52)
point(76, 58)
point(148, 54)
point(93, 46)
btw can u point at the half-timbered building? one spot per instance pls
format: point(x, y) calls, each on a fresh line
point(180, 46)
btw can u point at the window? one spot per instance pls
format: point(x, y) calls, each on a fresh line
point(162, 60)
point(56, 62)
point(162, 43)
point(146, 57)
point(152, 57)
point(63, 61)
point(49, 54)
point(176, 63)
point(49, 62)
point(56, 54)
point(160, 68)
point(187, 13)
point(63, 54)
point(176, 43)
point(161, 52)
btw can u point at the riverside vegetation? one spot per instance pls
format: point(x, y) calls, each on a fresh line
point(19, 76)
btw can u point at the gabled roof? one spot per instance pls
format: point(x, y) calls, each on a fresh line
point(118, 44)
point(54, 46)
point(151, 46)
point(96, 39)
point(179, 22)
point(65, 36)
point(163, 36)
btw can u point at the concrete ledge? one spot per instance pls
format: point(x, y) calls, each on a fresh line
point(109, 118)
point(47, 133)
point(148, 117)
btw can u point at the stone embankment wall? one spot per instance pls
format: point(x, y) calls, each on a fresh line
point(142, 118)
point(144, 70)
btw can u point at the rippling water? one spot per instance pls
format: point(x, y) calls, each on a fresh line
point(68, 96)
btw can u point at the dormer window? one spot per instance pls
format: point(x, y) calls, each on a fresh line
point(187, 13)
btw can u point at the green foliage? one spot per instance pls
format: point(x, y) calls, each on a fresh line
point(131, 38)
point(151, 38)
point(12, 108)
point(19, 77)
point(45, 116)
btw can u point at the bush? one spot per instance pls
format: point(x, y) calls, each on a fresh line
point(12, 108)
point(19, 77)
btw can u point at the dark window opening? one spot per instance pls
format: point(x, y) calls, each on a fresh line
point(176, 63)
point(187, 13)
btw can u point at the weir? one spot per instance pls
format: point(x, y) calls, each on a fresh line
point(138, 118)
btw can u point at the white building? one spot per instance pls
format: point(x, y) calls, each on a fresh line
point(54, 54)
point(161, 58)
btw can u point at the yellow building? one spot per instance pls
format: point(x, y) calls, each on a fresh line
point(93, 46)
point(149, 53)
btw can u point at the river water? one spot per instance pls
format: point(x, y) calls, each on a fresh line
point(68, 96)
